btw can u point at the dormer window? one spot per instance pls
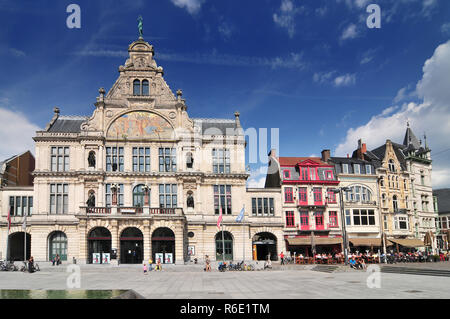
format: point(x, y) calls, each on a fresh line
point(287, 174)
point(391, 166)
point(345, 168)
point(357, 169)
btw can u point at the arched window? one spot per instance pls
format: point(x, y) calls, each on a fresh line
point(227, 243)
point(58, 245)
point(145, 88)
point(359, 194)
point(395, 203)
point(138, 196)
point(136, 87)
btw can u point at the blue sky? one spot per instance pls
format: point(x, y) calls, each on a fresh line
point(311, 68)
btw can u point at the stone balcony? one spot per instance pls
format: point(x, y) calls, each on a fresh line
point(115, 211)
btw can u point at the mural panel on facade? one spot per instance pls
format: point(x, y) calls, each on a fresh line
point(140, 125)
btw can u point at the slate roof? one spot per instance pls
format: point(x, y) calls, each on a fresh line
point(443, 200)
point(286, 161)
point(211, 126)
point(68, 124)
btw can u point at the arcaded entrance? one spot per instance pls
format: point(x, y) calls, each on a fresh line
point(99, 242)
point(163, 245)
point(266, 246)
point(17, 246)
point(131, 246)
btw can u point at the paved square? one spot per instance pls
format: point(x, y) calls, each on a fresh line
point(191, 282)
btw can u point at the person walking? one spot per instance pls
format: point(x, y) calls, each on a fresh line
point(158, 265)
point(207, 263)
point(145, 268)
point(31, 265)
point(150, 264)
point(282, 258)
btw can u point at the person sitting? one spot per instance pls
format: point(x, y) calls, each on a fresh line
point(158, 264)
point(352, 263)
point(362, 264)
point(222, 266)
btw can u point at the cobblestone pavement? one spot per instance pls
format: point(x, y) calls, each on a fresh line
point(191, 282)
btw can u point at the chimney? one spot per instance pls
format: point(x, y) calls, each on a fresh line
point(237, 120)
point(325, 155)
point(362, 149)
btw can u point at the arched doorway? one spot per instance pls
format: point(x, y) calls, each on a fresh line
point(57, 244)
point(131, 246)
point(266, 245)
point(227, 243)
point(163, 245)
point(17, 246)
point(99, 242)
point(138, 196)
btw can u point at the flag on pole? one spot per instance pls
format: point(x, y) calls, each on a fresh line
point(219, 221)
point(240, 217)
point(9, 218)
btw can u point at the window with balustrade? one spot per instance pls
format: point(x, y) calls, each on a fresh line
point(303, 196)
point(304, 220)
point(318, 196)
point(109, 194)
point(168, 196)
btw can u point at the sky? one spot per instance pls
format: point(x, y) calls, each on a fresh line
point(310, 68)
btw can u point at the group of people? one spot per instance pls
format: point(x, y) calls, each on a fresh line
point(56, 260)
point(150, 265)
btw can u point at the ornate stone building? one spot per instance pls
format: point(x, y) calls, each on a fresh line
point(140, 179)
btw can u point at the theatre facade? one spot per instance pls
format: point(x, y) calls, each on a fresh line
point(140, 179)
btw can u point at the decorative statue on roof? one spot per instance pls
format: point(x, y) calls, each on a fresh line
point(140, 27)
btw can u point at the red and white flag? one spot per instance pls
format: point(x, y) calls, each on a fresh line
point(219, 221)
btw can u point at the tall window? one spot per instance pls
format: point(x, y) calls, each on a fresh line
point(385, 222)
point(331, 196)
point(59, 159)
point(304, 220)
point(356, 169)
point(318, 196)
point(108, 195)
point(333, 219)
point(136, 87)
point(59, 198)
point(422, 178)
point(290, 220)
point(395, 203)
point(288, 196)
point(145, 88)
point(368, 169)
point(141, 159)
point(21, 205)
point(404, 183)
point(304, 173)
point(382, 181)
point(221, 161)
point(168, 195)
point(319, 220)
point(348, 217)
point(263, 207)
point(222, 199)
point(167, 160)
point(303, 196)
point(114, 159)
point(138, 196)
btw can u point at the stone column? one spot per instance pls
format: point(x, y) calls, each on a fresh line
point(179, 244)
point(82, 257)
point(147, 241)
point(115, 240)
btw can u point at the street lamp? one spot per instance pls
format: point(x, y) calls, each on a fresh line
point(344, 230)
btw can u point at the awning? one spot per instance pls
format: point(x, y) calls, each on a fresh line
point(408, 242)
point(366, 242)
point(306, 241)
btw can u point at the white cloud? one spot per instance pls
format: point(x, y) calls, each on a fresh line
point(192, 6)
point(257, 177)
point(285, 17)
point(432, 116)
point(445, 28)
point(323, 77)
point(226, 30)
point(349, 32)
point(16, 132)
point(345, 80)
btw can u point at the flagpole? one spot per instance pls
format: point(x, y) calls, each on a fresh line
point(7, 237)
point(24, 227)
point(223, 241)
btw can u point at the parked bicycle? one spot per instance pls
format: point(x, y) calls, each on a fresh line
point(8, 266)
